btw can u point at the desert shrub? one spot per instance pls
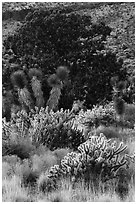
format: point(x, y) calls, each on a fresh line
point(43, 162)
point(7, 170)
point(129, 115)
point(72, 40)
point(12, 190)
point(55, 129)
point(26, 173)
point(26, 131)
point(45, 184)
point(61, 153)
point(15, 140)
point(109, 132)
point(99, 115)
point(12, 159)
point(14, 144)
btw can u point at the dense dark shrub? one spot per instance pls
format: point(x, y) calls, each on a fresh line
point(50, 38)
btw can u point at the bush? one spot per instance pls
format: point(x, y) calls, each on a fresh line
point(43, 162)
point(13, 191)
point(129, 115)
point(26, 131)
point(7, 170)
point(45, 184)
point(99, 115)
point(22, 148)
point(98, 158)
point(109, 132)
point(60, 154)
point(55, 129)
point(72, 40)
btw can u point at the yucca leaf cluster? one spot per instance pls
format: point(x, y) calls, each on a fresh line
point(96, 158)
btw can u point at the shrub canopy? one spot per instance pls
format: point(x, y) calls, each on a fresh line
point(51, 38)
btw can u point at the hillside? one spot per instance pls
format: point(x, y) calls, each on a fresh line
point(119, 16)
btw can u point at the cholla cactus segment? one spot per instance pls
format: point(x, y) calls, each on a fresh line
point(96, 152)
point(37, 90)
point(53, 100)
point(18, 79)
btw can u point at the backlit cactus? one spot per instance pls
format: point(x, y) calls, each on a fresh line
point(96, 155)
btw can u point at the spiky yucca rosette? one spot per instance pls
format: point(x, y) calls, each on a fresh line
point(62, 73)
point(35, 76)
point(35, 72)
point(18, 79)
point(53, 80)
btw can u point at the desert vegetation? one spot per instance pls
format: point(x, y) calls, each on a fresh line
point(68, 86)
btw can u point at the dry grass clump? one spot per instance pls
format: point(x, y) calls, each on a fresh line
point(7, 170)
point(109, 132)
point(45, 184)
point(41, 163)
point(13, 191)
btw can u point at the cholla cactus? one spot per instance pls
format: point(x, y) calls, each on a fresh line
point(35, 76)
point(96, 156)
point(19, 81)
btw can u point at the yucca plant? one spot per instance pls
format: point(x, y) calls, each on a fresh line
point(35, 76)
point(56, 82)
point(19, 81)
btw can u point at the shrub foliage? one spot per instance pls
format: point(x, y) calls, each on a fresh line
point(50, 38)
